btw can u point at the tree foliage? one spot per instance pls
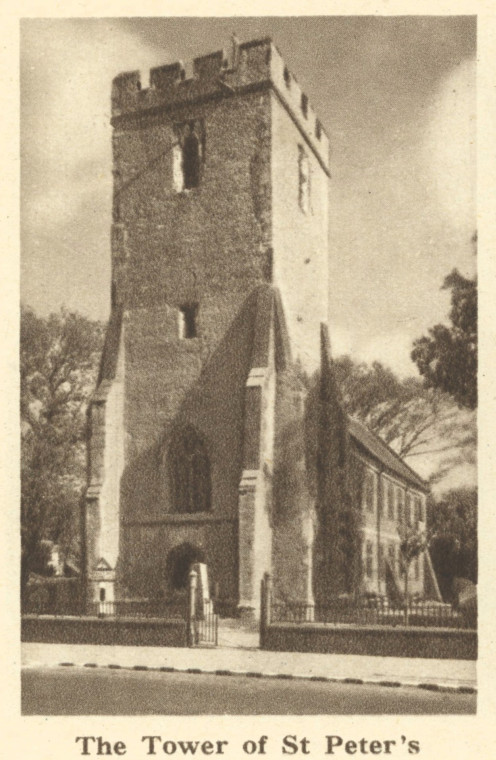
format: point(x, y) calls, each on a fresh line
point(58, 364)
point(413, 543)
point(447, 357)
point(453, 521)
point(412, 419)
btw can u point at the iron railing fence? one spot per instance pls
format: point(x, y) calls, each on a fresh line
point(375, 611)
point(207, 629)
point(138, 608)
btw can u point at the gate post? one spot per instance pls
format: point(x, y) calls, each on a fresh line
point(193, 581)
point(265, 606)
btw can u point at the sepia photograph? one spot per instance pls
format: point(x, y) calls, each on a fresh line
point(248, 370)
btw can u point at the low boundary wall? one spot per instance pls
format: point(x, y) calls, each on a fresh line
point(51, 629)
point(400, 641)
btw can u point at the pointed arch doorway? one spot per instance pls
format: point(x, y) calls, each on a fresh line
point(179, 563)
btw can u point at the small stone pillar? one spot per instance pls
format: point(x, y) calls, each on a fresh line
point(193, 582)
point(204, 603)
point(307, 567)
point(265, 606)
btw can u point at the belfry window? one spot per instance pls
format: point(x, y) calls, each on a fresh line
point(187, 155)
point(187, 321)
point(190, 473)
point(191, 161)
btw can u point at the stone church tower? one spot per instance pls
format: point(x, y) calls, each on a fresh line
point(219, 288)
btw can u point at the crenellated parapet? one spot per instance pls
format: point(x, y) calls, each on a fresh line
point(249, 66)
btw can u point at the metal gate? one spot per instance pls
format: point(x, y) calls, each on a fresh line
point(206, 629)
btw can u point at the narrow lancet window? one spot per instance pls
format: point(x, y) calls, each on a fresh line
point(190, 473)
point(187, 321)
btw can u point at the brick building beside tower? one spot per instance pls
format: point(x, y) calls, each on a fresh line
point(219, 291)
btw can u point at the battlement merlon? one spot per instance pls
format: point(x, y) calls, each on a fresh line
point(258, 65)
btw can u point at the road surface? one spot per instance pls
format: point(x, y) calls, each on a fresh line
point(102, 691)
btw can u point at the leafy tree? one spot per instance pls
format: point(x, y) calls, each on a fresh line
point(447, 357)
point(414, 542)
point(412, 419)
point(58, 364)
point(453, 520)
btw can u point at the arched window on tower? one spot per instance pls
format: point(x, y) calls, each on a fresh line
point(190, 472)
point(191, 159)
point(187, 155)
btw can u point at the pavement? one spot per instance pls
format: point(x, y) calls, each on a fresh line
point(237, 653)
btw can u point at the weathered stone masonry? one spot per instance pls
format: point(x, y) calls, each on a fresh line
point(219, 275)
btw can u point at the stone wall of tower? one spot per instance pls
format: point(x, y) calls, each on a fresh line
point(101, 520)
point(299, 231)
point(299, 237)
point(211, 398)
point(217, 245)
point(210, 246)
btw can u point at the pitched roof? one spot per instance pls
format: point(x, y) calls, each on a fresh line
point(379, 450)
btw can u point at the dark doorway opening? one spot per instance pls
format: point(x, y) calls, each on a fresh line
point(179, 563)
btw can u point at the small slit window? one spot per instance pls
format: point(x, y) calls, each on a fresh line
point(188, 321)
point(318, 129)
point(304, 105)
point(287, 77)
point(303, 181)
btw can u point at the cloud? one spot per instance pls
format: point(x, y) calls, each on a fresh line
point(342, 340)
point(67, 66)
point(449, 147)
point(392, 349)
point(67, 69)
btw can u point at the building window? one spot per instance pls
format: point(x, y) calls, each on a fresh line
point(418, 510)
point(391, 557)
point(187, 321)
point(408, 510)
point(190, 473)
point(369, 491)
point(304, 181)
point(369, 559)
point(382, 562)
point(187, 155)
point(390, 501)
point(287, 77)
point(318, 129)
point(400, 504)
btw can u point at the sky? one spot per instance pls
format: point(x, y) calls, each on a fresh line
point(396, 96)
